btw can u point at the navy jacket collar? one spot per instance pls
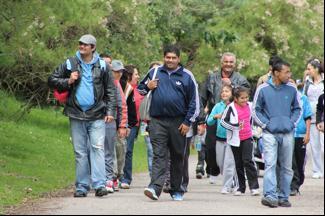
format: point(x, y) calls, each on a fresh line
point(179, 72)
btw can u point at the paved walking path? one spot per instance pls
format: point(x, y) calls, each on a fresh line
point(202, 198)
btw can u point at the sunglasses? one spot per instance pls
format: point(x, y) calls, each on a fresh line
point(83, 44)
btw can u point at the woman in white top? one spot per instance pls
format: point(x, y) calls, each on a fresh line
point(314, 87)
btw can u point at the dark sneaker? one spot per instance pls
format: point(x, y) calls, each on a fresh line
point(270, 202)
point(294, 192)
point(151, 193)
point(199, 175)
point(79, 194)
point(285, 203)
point(166, 188)
point(101, 192)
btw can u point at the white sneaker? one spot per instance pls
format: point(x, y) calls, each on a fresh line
point(225, 191)
point(150, 192)
point(213, 179)
point(255, 192)
point(238, 193)
point(125, 186)
point(109, 186)
point(317, 176)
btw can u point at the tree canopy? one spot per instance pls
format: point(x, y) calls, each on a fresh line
point(37, 35)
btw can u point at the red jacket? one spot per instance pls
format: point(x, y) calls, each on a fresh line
point(124, 120)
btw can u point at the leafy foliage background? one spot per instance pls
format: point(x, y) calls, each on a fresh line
point(37, 35)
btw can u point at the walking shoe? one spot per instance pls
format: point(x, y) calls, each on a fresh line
point(79, 194)
point(116, 185)
point(166, 188)
point(199, 175)
point(294, 192)
point(101, 192)
point(110, 186)
point(317, 176)
point(225, 191)
point(124, 186)
point(284, 203)
point(213, 179)
point(177, 196)
point(151, 193)
point(238, 193)
point(255, 192)
point(270, 202)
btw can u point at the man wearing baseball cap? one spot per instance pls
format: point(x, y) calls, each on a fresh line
point(90, 104)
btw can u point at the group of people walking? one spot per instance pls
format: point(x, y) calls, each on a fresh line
point(106, 106)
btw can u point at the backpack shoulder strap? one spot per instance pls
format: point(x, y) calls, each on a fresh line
point(102, 65)
point(74, 63)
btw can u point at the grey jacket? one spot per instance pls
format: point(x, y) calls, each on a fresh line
point(211, 89)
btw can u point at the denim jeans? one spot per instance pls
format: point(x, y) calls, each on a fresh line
point(278, 147)
point(149, 153)
point(110, 142)
point(88, 142)
point(127, 178)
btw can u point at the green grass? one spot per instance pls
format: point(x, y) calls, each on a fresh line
point(36, 155)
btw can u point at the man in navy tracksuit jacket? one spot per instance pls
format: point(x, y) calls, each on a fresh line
point(174, 107)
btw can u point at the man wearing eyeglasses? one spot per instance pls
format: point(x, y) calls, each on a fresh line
point(90, 104)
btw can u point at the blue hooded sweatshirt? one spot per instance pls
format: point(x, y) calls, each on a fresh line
point(301, 129)
point(277, 109)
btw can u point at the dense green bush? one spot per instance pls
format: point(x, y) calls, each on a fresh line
point(37, 35)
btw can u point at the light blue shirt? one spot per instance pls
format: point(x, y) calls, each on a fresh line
point(85, 91)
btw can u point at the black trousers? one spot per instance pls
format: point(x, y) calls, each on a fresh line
point(186, 177)
point(202, 157)
point(298, 164)
point(244, 162)
point(165, 136)
point(210, 142)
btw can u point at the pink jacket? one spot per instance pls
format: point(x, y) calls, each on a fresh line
point(124, 120)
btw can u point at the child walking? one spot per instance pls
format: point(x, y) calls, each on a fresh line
point(224, 155)
point(237, 120)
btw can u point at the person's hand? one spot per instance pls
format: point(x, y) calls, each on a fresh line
point(184, 129)
point(122, 132)
point(73, 77)
point(201, 129)
point(153, 84)
point(306, 139)
point(128, 131)
point(241, 125)
point(320, 126)
point(226, 81)
point(109, 119)
point(218, 116)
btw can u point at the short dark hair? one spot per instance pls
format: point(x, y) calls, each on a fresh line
point(277, 66)
point(172, 49)
point(274, 59)
point(105, 55)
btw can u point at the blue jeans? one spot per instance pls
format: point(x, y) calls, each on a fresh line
point(127, 178)
point(85, 133)
point(278, 147)
point(149, 153)
point(110, 142)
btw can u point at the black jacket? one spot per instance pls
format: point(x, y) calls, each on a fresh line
point(320, 109)
point(104, 91)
